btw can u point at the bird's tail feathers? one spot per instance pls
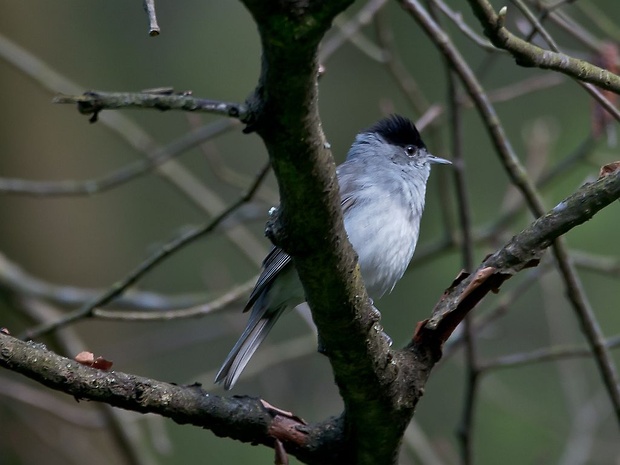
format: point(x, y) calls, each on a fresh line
point(240, 355)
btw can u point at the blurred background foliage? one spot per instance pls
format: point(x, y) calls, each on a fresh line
point(553, 412)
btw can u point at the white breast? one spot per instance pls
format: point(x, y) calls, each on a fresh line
point(384, 232)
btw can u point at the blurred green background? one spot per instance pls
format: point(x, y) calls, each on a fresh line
point(529, 415)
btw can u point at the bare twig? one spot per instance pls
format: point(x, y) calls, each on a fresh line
point(498, 136)
point(581, 152)
point(522, 251)
point(137, 138)
point(524, 87)
point(567, 24)
point(602, 20)
point(595, 93)
point(120, 176)
point(457, 19)
point(481, 322)
point(149, 7)
point(93, 102)
point(466, 427)
point(221, 303)
point(598, 263)
point(546, 354)
point(16, 280)
point(166, 250)
point(397, 70)
point(349, 31)
point(530, 55)
point(222, 171)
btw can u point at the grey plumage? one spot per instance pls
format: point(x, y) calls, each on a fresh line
point(382, 189)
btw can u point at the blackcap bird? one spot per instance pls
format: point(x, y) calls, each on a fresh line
point(382, 188)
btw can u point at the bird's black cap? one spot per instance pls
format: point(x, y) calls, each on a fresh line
point(397, 130)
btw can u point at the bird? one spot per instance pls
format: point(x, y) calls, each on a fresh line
point(382, 186)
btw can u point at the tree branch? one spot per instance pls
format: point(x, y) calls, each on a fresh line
point(530, 55)
point(120, 176)
point(524, 250)
point(242, 418)
point(92, 102)
point(18, 281)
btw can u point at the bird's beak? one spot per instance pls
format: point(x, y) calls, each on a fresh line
point(434, 159)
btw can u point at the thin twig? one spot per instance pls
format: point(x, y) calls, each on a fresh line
point(349, 31)
point(601, 19)
point(498, 136)
point(568, 25)
point(481, 322)
point(120, 176)
point(466, 427)
point(524, 87)
point(166, 250)
point(149, 7)
point(222, 171)
point(395, 66)
point(220, 303)
point(598, 263)
point(574, 287)
point(589, 88)
point(545, 354)
point(457, 19)
point(529, 55)
point(583, 150)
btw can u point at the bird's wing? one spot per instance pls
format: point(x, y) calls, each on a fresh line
point(348, 183)
point(347, 203)
point(274, 262)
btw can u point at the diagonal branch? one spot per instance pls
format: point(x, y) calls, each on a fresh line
point(524, 250)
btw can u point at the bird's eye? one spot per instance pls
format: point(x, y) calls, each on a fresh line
point(410, 149)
